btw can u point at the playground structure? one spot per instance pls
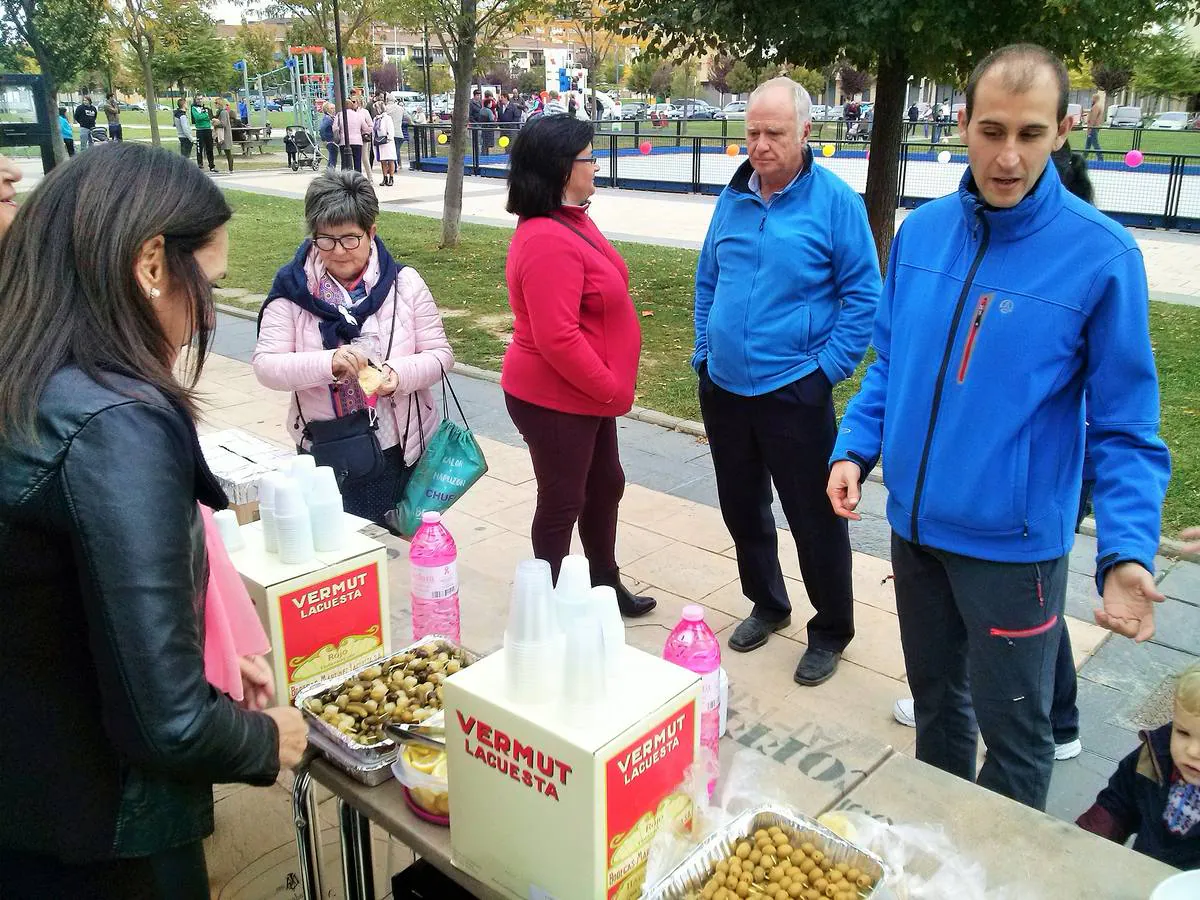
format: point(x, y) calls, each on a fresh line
point(307, 74)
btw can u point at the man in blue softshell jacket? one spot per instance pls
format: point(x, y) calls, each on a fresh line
point(1001, 304)
point(786, 289)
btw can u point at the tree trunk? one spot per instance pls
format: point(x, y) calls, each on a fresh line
point(462, 67)
point(148, 89)
point(883, 169)
point(50, 102)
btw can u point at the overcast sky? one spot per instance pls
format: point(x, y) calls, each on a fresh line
point(224, 11)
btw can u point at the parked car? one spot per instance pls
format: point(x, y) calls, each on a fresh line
point(835, 112)
point(1075, 111)
point(162, 107)
point(665, 109)
point(285, 102)
point(735, 110)
point(132, 107)
point(1170, 121)
point(1125, 117)
point(272, 105)
point(634, 110)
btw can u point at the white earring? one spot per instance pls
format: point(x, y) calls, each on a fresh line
point(155, 293)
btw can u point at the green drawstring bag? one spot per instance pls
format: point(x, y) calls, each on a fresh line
point(449, 465)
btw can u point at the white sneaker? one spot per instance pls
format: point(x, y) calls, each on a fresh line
point(1069, 750)
point(903, 711)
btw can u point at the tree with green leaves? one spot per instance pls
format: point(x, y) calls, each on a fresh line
point(312, 25)
point(136, 22)
point(65, 37)
point(462, 26)
point(532, 80)
point(1167, 67)
point(812, 80)
point(641, 75)
point(743, 78)
point(189, 53)
point(255, 43)
point(941, 38)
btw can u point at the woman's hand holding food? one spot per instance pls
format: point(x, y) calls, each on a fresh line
point(391, 382)
point(347, 361)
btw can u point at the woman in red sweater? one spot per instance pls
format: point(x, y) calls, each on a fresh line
point(572, 364)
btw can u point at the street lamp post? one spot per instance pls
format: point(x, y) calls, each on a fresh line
point(428, 79)
point(347, 156)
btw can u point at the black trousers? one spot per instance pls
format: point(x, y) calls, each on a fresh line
point(579, 479)
point(176, 874)
point(69, 145)
point(784, 437)
point(204, 147)
point(981, 642)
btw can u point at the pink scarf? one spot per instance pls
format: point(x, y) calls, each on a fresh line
point(231, 625)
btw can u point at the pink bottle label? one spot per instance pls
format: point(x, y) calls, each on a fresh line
point(435, 582)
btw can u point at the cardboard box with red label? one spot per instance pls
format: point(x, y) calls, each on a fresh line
point(325, 616)
point(544, 806)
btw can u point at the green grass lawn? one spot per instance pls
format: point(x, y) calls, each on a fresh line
point(468, 283)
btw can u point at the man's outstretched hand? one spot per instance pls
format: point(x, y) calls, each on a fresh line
point(1129, 598)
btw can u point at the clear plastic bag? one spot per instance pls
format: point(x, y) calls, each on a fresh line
point(923, 863)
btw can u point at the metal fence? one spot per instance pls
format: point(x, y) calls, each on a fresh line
point(1161, 191)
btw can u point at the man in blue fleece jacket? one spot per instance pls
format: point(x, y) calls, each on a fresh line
point(786, 290)
point(1002, 303)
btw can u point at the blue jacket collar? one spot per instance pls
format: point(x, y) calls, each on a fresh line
point(1034, 212)
point(740, 183)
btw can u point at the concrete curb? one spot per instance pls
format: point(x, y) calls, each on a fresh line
point(1166, 546)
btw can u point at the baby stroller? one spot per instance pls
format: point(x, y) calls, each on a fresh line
point(99, 134)
point(301, 149)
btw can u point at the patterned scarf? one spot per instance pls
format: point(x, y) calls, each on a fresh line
point(1183, 807)
point(337, 323)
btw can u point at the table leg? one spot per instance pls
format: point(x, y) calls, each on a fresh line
point(304, 817)
point(358, 873)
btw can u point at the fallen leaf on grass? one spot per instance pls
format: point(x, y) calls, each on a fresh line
point(646, 313)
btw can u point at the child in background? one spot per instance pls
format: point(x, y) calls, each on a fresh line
point(1155, 792)
point(68, 134)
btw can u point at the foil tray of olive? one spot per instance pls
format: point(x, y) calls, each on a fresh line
point(786, 856)
point(347, 714)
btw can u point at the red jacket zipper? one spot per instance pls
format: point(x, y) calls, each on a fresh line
point(1024, 632)
point(972, 336)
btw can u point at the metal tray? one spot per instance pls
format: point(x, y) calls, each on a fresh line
point(360, 761)
point(697, 867)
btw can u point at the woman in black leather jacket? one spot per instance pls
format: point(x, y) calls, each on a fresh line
point(111, 737)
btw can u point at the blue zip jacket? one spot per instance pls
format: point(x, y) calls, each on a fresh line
point(786, 286)
point(991, 325)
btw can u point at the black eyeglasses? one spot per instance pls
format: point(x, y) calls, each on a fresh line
point(328, 242)
point(586, 159)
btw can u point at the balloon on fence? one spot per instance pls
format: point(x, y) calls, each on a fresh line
point(645, 147)
point(828, 150)
point(733, 150)
point(442, 138)
point(944, 157)
point(1134, 158)
point(503, 142)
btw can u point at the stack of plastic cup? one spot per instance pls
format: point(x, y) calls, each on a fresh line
point(604, 602)
point(292, 525)
point(531, 641)
point(304, 468)
point(326, 512)
point(231, 533)
point(571, 600)
point(584, 670)
point(266, 510)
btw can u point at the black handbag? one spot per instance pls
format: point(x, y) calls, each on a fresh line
point(349, 444)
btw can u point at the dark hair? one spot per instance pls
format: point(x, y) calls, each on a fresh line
point(68, 293)
point(1072, 171)
point(62, 110)
point(1021, 64)
point(338, 197)
point(541, 162)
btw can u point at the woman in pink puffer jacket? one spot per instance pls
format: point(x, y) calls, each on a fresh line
point(335, 309)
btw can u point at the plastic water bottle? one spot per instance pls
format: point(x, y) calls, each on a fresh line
point(433, 562)
point(694, 646)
